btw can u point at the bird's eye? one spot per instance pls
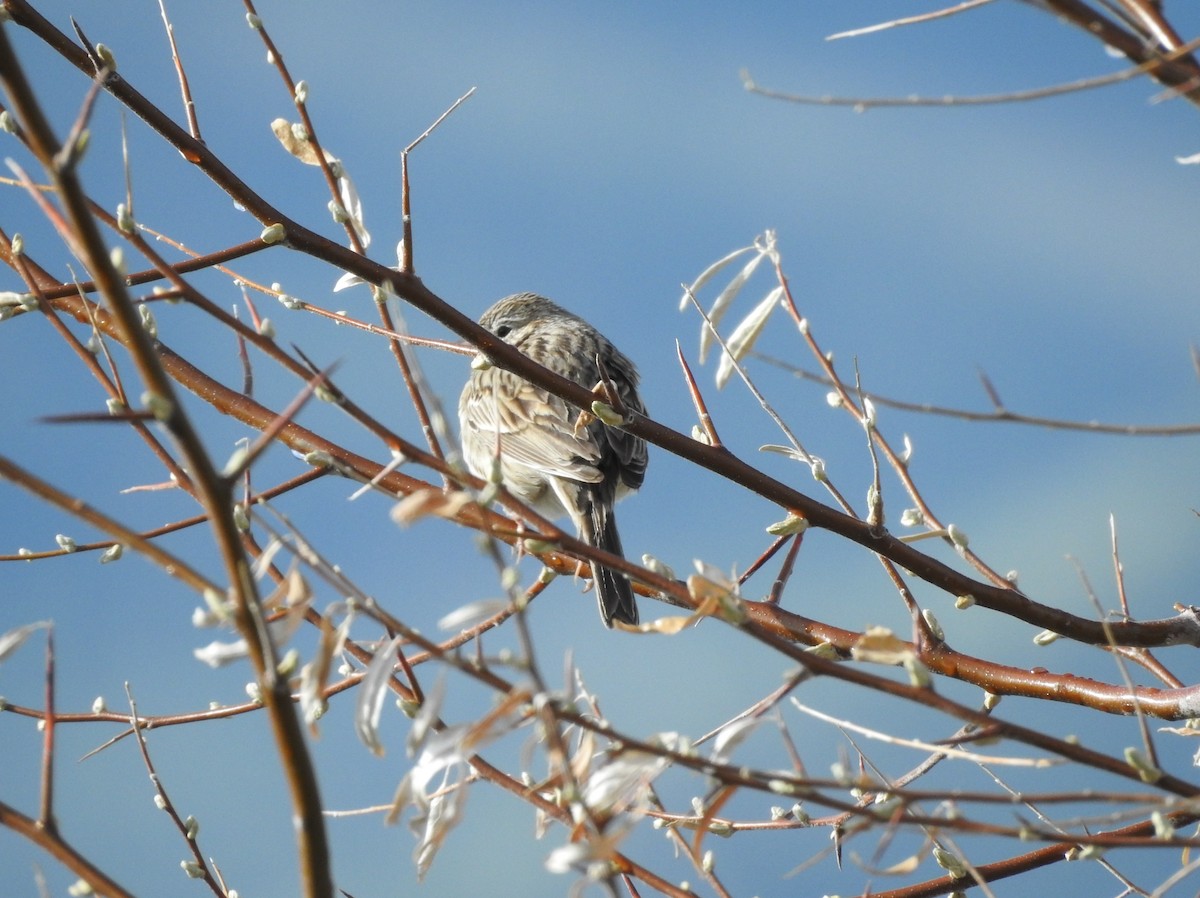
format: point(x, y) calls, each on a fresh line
point(503, 331)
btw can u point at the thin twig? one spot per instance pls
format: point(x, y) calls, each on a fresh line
point(441, 118)
point(52, 843)
point(910, 20)
point(953, 100)
point(172, 564)
point(214, 495)
point(785, 570)
point(185, 90)
point(706, 421)
point(1002, 414)
point(46, 818)
point(267, 436)
point(163, 800)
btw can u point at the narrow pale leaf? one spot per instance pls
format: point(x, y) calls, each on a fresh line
point(744, 336)
point(731, 736)
point(427, 717)
point(671, 625)
point(371, 693)
point(291, 139)
point(708, 273)
point(445, 811)
point(421, 503)
point(218, 654)
point(401, 800)
point(715, 574)
point(467, 616)
point(568, 858)
point(907, 865)
point(724, 300)
point(881, 646)
point(315, 674)
point(15, 638)
point(623, 783)
point(346, 281)
point(352, 203)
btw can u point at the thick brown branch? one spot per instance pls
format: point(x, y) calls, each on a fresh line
point(52, 844)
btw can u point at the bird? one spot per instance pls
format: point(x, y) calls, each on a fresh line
point(550, 457)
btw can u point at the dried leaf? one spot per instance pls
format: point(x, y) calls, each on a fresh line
point(706, 594)
point(284, 628)
point(421, 503)
point(302, 149)
point(291, 138)
point(881, 646)
point(715, 593)
point(907, 865)
point(299, 593)
point(669, 626)
point(315, 674)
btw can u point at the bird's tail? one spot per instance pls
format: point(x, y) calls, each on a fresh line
point(613, 590)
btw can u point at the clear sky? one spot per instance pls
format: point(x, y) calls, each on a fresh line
point(609, 154)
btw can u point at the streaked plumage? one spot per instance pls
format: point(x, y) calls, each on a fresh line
point(545, 460)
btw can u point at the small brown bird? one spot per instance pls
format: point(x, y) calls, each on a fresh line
point(547, 460)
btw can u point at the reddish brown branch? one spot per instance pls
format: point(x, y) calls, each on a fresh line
point(1181, 72)
point(1183, 629)
point(52, 844)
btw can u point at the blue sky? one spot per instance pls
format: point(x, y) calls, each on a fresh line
point(609, 154)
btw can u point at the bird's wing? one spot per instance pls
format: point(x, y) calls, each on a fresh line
point(536, 429)
point(629, 450)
